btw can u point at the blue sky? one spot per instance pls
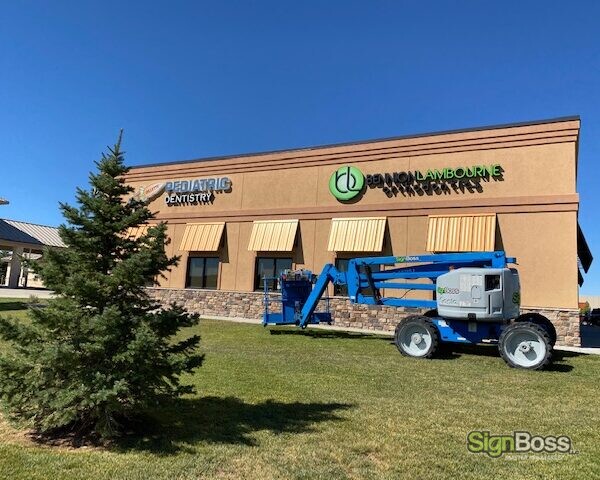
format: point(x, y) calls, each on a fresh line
point(195, 79)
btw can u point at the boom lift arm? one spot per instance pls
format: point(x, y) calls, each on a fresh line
point(476, 300)
point(364, 284)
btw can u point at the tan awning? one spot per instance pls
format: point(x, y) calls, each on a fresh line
point(357, 234)
point(136, 232)
point(462, 233)
point(273, 235)
point(202, 237)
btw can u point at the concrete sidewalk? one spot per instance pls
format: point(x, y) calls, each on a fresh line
point(582, 350)
point(6, 292)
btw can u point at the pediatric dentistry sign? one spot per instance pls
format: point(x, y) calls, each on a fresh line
point(196, 191)
point(348, 182)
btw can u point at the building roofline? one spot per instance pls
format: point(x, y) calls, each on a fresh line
point(15, 232)
point(360, 142)
point(28, 223)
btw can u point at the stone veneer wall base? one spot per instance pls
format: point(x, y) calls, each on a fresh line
point(345, 314)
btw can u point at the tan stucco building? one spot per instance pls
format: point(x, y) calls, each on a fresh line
point(508, 187)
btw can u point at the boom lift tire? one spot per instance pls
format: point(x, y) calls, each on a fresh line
point(541, 321)
point(417, 336)
point(525, 345)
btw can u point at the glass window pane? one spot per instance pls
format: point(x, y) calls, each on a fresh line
point(270, 267)
point(367, 291)
point(265, 267)
point(281, 264)
point(342, 265)
point(195, 272)
point(211, 272)
point(492, 282)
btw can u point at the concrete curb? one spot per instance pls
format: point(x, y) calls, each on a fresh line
point(582, 350)
point(321, 327)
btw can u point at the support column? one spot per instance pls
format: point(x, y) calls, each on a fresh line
point(25, 270)
point(15, 267)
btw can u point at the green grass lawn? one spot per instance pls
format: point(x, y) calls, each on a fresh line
point(329, 405)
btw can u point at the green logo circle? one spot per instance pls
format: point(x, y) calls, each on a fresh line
point(346, 183)
point(516, 298)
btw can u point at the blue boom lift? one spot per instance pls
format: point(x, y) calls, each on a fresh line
point(476, 300)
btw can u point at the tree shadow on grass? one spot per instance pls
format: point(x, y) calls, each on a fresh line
point(454, 351)
point(330, 334)
point(459, 349)
point(223, 420)
point(12, 306)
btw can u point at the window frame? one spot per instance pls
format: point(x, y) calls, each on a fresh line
point(496, 285)
point(342, 290)
point(258, 281)
point(204, 259)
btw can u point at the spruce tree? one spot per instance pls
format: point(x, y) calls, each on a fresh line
point(102, 350)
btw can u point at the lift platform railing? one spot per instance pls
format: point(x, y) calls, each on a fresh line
point(295, 290)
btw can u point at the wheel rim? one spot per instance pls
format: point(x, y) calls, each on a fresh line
point(415, 340)
point(525, 348)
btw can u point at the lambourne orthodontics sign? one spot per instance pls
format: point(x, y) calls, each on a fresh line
point(460, 177)
point(347, 182)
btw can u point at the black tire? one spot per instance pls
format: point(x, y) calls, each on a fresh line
point(422, 326)
point(520, 335)
point(542, 322)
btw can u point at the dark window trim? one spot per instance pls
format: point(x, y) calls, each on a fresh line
point(204, 257)
point(342, 290)
point(258, 282)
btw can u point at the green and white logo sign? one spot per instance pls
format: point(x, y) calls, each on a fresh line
point(346, 183)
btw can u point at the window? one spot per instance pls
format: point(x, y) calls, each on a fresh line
point(342, 265)
point(492, 282)
point(270, 267)
point(202, 272)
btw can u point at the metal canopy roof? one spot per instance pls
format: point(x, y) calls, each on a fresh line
point(202, 237)
point(357, 234)
point(462, 233)
point(12, 231)
point(273, 235)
